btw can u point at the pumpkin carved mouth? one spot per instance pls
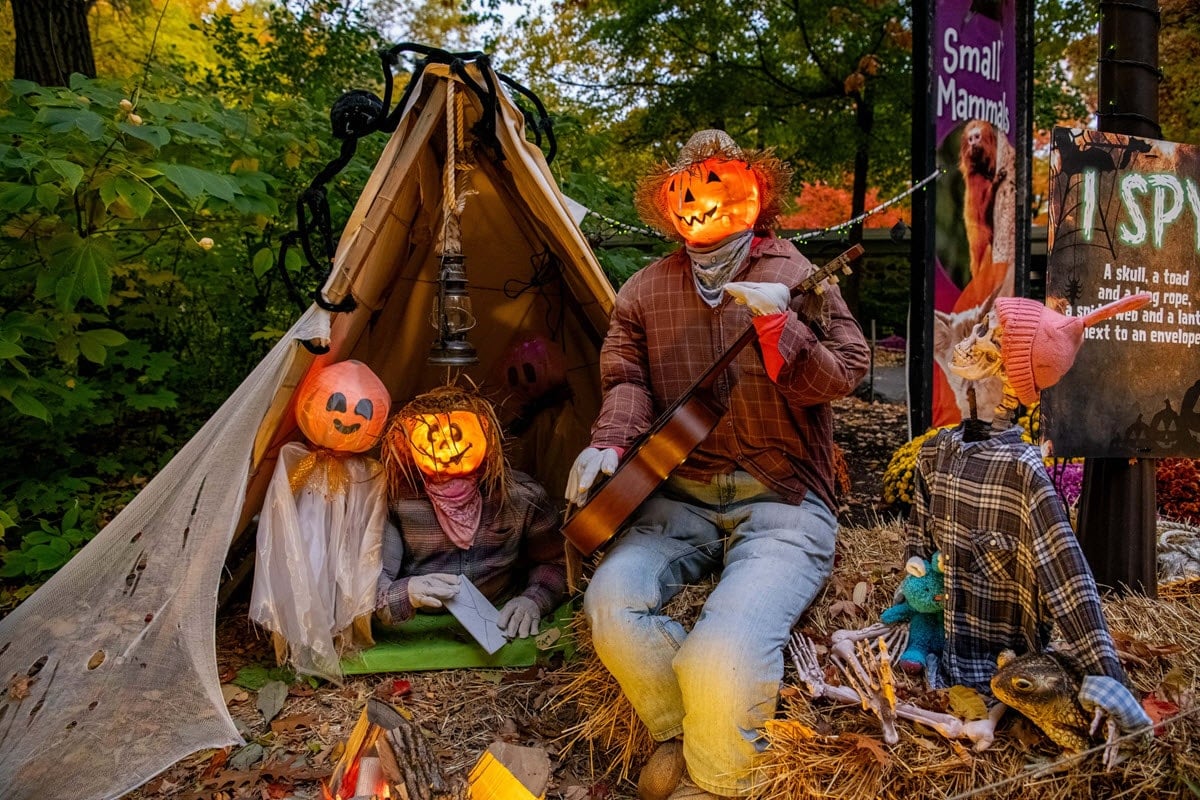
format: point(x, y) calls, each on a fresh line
point(697, 220)
point(456, 459)
point(344, 429)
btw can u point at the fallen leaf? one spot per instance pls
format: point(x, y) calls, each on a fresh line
point(271, 698)
point(248, 755)
point(1159, 710)
point(233, 694)
point(215, 763)
point(862, 590)
point(967, 704)
point(872, 746)
point(845, 607)
point(292, 723)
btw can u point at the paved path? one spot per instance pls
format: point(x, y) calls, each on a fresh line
point(889, 385)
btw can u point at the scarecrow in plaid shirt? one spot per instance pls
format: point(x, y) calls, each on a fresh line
point(457, 510)
point(754, 502)
point(1013, 567)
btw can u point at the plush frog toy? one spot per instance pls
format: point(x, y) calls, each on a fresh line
point(924, 592)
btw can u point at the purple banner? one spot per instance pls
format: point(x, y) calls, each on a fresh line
point(973, 97)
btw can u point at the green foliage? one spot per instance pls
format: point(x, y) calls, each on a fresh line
point(138, 236)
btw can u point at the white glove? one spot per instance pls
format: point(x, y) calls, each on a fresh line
point(588, 464)
point(519, 618)
point(760, 298)
point(431, 591)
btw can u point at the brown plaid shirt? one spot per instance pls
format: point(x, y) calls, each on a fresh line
point(662, 336)
point(1013, 565)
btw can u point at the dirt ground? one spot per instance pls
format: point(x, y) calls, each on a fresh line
point(460, 711)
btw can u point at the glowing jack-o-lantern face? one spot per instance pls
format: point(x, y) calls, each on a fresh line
point(343, 406)
point(712, 200)
point(448, 445)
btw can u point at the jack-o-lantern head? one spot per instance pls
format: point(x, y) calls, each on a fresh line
point(713, 191)
point(342, 406)
point(443, 434)
point(531, 368)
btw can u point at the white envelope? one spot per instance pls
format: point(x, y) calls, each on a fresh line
point(477, 615)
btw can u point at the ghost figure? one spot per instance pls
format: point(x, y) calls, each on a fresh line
point(320, 533)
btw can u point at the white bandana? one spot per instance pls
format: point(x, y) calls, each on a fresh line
point(713, 267)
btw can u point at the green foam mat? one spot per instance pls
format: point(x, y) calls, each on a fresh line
point(438, 641)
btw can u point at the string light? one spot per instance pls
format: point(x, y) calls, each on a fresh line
point(802, 237)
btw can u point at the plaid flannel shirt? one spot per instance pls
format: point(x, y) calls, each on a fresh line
point(1013, 565)
point(517, 545)
point(662, 336)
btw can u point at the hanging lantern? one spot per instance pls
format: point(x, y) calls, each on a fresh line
point(343, 406)
point(447, 445)
point(712, 200)
point(452, 316)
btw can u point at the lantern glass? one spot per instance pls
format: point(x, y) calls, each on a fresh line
point(452, 315)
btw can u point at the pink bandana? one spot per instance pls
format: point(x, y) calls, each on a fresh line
point(458, 505)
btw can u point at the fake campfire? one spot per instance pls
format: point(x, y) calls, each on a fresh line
point(387, 756)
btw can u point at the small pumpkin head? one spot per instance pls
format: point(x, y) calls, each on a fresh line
point(712, 200)
point(445, 433)
point(342, 406)
point(449, 445)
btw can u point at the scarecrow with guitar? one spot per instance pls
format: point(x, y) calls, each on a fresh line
point(713, 456)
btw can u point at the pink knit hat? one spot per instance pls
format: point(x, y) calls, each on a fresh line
point(1039, 344)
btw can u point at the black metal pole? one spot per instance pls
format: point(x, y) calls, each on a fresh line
point(920, 304)
point(1117, 507)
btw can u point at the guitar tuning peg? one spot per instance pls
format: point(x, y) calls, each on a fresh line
point(833, 279)
point(848, 270)
point(820, 289)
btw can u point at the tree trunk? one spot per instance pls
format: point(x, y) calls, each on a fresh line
point(865, 119)
point(52, 40)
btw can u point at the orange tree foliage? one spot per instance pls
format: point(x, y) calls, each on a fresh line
point(821, 205)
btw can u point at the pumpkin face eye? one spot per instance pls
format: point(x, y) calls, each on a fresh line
point(712, 177)
point(323, 397)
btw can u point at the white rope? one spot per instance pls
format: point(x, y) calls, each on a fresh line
point(451, 233)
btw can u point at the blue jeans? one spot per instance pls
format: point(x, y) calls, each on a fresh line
point(719, 683)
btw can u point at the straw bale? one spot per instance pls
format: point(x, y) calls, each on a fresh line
point(819, 750)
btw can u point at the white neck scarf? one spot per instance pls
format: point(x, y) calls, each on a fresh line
point(713, 267)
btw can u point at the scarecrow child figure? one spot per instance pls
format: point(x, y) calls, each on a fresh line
point(754, 501)
point(321, 530)
point(1011, 560)
point(458, 510)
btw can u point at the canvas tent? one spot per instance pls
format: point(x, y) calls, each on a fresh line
point(119, 645)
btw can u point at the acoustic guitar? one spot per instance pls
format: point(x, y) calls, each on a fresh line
point(671, 439)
